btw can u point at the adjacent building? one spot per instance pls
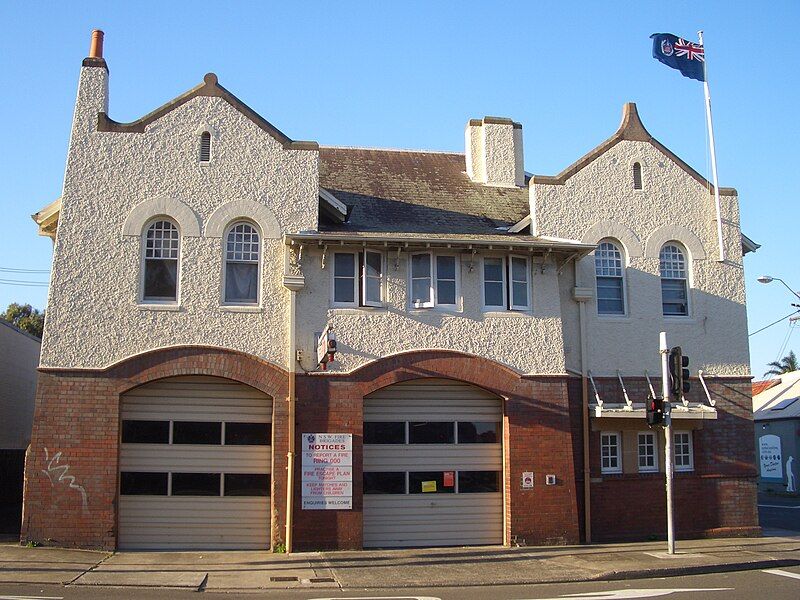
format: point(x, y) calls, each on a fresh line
point(496, 335)
point(19, 357)
point(776, 412)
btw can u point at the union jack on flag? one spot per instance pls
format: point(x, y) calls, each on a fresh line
point(688, 57)
point(690, 50)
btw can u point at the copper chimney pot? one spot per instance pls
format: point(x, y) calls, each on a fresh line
point(96, 49)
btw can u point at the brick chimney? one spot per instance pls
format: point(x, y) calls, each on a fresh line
point(494, 152)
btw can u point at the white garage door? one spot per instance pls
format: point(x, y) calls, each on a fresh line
point(195, 461)
point(433, 463)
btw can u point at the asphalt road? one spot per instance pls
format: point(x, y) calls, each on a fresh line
point(776, 513)
point(777, 584)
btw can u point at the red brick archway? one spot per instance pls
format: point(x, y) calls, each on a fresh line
point(76, 424)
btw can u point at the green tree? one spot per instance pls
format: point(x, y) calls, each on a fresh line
point(786, 365)
point(25, 317)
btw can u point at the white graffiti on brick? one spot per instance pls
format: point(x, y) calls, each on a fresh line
point(57, 473)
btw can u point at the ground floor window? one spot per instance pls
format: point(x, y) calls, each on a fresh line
point(647, 452)
point(683, 451)
point(610, 461)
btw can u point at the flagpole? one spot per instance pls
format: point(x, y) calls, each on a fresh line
point(713, 151)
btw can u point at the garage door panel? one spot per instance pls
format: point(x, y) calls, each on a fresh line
point(452, 457)
point(194, 522)
point(190, 458)
point(433, 519)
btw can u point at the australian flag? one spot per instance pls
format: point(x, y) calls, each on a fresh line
point(675, 52)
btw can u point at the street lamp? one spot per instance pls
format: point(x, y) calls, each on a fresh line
point(770, 279)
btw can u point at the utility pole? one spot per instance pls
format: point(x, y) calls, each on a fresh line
point(666, 389)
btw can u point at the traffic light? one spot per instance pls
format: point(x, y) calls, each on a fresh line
point(678, 373)
point(654, 408)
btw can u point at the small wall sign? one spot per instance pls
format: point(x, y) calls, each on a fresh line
point(527, 480)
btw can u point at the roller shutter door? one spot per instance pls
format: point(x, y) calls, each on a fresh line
point(195, 462)
point(433, 463)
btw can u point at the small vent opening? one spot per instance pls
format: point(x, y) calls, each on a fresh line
point(637, 176)
point(205, 147)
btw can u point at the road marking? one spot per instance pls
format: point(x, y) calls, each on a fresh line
point(777, 506)
point(380, 598)
point(31, 597)
point(640, 593)
point(782, 573)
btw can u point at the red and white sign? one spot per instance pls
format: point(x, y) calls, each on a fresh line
point(327, 473)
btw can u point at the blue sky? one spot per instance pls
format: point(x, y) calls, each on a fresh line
point(409, 75)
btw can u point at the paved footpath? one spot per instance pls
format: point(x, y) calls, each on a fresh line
point(464, 566)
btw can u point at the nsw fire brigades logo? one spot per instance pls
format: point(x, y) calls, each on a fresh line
point(666, 48)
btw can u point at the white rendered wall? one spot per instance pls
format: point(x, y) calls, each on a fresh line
point(19, 357)
point(599, 201)
point(94, 313)
point(530, 342)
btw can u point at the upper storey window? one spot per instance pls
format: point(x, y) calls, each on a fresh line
point(674, 281)
point(358, 278)
point(637, 176)
point(205, 147)
point(161, 252)
point(242, 253)
point(609, 276)
point(434, 280)
point(506, 283)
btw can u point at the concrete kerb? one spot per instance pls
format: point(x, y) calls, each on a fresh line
point(438, 567)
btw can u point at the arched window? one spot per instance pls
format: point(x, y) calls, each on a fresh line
point(242, 252)
point(205, 147)
point(637, 176)
point(674, 281)
point(161, 251)
point(608, 270)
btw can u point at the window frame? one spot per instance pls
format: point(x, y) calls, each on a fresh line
point(622, 279)
point(356, 295)
point(645, 468)
point(511, 281)
point(143, 267)
point(609, 470)
point(690, 453)
point(503, 270)
point(433, 298)
point(686, 280)
point(259, 263)
point(362, 283)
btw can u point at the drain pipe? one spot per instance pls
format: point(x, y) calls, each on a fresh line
point(587, 507)
point(291, 429)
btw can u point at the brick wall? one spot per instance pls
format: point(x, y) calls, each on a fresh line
point(76, 433)
point(717, 498)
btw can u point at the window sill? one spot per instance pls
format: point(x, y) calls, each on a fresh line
point(507, 314)
point(358, 310)
point(614, 318)
point(159, 307)
point(437, 310)
point(241, 308)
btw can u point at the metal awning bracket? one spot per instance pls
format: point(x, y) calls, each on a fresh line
point(596, 394)
point(711, 401)
point(324, 256)
point(628, 403)
point(649, 384)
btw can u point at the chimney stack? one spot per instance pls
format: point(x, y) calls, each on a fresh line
point(96, 49)
point(494, 152)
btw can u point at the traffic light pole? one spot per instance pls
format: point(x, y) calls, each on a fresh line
point(665, 387)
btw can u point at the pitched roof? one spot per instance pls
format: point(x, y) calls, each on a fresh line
point(779, 401)
point(632, 129)
point(395, 191)
point(760, 386)
point(209, 87)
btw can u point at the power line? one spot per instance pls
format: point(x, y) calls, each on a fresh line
point(773, 323)
point(24, 283)
point(10, 270)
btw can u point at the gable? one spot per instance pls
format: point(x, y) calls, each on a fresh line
point(630, 129)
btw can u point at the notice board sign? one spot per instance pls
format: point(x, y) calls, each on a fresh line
point(769, 449)
point(327, 471)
